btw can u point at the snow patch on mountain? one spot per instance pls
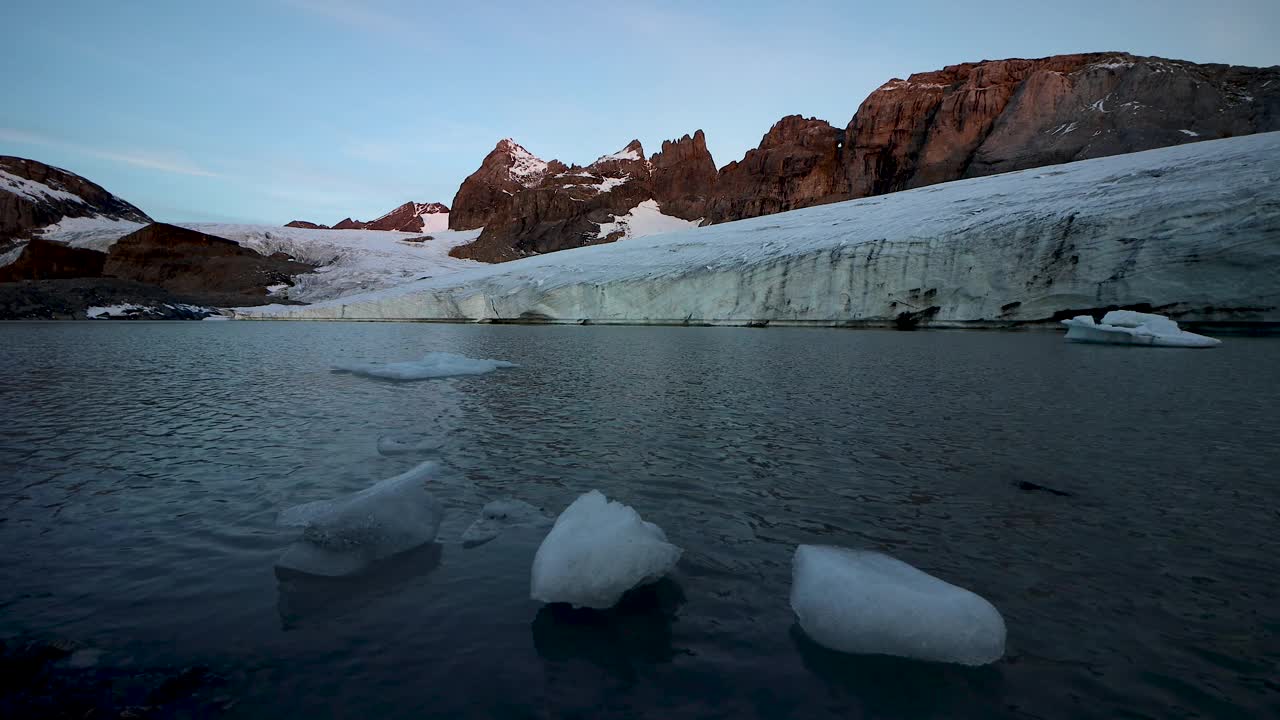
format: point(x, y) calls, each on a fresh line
point(90, 233)
point(35, 191)
point(526, 168)
point(643, 220)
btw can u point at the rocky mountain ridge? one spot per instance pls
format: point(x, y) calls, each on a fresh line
point(966, 120)
point(34, 195)
point(409, 217)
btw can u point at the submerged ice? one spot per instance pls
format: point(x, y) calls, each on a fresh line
point(433, 365)
point(1126, 327)
point(346, 535)
point(859, 601)
point(500, 515)
point(598, 550)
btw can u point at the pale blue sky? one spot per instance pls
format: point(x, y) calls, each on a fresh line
point(269, 110)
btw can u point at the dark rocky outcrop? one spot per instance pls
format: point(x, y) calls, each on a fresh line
point(983, 118)
point(567, 206)
point(797, 164)
point(564, 209)
point(206, 269)
point(33, 195)
point(409, 217)
point(508, 169)
point(44, 260)
point(71, 298)
point(684, 176)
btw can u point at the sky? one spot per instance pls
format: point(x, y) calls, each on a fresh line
point(264, 111)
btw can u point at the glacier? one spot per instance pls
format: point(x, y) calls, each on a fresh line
point(597, 550)
point(859, 601)
point(345, 536)
point(1192, 231)
point(1125, 327)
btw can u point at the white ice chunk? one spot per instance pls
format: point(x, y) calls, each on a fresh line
point(1126, 327)
point(598, 550)
point(1133, 318)
point(345, 536)
point(500, 515)
point(859, 601)
point(434, 365)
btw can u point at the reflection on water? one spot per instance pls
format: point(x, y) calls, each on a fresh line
point(633, 634)
point(315, 599)
point(883, 686)
point(142, 466)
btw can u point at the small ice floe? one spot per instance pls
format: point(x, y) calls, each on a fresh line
point(598, 550)
point(434, 365)
point(1126, 327)
point(407, 444)
point(859, 601)
point(500, 515)
point(345, 536)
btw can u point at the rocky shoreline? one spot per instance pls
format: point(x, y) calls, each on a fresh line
point(57, 679)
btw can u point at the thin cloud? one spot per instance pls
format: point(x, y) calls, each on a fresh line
point(138, 158)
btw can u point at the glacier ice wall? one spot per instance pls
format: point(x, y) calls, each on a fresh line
point(1192, 231)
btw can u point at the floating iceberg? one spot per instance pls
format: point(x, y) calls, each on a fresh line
point(499, 515)
point(434, 365)
point(858, 601)
point(597, 551)
point(1126, 327)
point(345, 536)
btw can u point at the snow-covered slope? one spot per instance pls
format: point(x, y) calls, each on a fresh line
point(1192, 230)
point(92, 233)
point(351, 261)
point(644, 220)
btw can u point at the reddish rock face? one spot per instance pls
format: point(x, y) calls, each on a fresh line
point(44, 260)
point(684, 176)
point(564, 209)
point(349, 224)
point(305, 225)
point(33, 195)
point(411, 217)
point(995, 116)
point(507, 170)
point(798, 164)
point(209, 269)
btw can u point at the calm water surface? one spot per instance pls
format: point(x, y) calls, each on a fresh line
point(143, 464)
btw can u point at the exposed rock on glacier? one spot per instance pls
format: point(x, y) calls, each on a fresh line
point(433, 365)
point(858, 601)
point(345, 536)
point(598, 550)
point(1125, 327)
point(1192, 231)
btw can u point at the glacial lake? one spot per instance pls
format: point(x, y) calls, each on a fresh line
point(143, 465)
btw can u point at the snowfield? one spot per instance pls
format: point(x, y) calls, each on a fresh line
point(644, 220)
point(1193, 231)
point(91, 233)
point(352, 261)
